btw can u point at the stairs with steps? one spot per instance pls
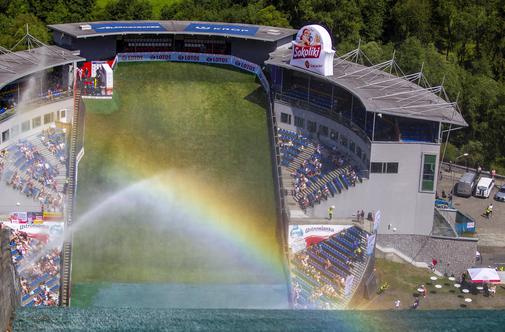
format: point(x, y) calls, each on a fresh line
point(62, 171)
point(66, 255)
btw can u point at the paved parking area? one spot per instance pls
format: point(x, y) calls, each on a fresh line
point(491, 232)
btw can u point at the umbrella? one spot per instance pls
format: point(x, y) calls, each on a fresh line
point(484, 275)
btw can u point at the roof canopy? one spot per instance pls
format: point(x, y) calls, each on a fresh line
point(480, 275)
point(381, 91)
point(100, 29)
point(15, 65)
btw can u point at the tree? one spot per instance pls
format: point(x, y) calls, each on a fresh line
point(128, 10)
point(412, 18)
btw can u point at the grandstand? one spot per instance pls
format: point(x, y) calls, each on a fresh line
point(344, 137)
point(320, 273)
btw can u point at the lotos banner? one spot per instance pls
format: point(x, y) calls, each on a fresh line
point(198, 58)
point(312, 50)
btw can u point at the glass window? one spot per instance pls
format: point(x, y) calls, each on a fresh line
point(48, 118)
point(286, 118)
point(391, 168)
point(376, 168)
point(352, 146)
point(5, 135)
point(323, 130)
point(15, 131)
point(428, 176)
point(343, 140)
point(299, 122)
point(333, 135)
point(36, 122)
point(311, 126)
point(25, 126)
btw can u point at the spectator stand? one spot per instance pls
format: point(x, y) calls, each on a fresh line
point(36, 167)
point(316, 171)
point(319, 273)
point(37, 263)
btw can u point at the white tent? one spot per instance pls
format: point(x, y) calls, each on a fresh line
point(484, 275)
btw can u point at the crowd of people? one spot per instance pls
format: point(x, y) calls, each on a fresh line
point(34, 176)
point(309, 186)
point(55, 143)
point(321, 270)
point(38, 269)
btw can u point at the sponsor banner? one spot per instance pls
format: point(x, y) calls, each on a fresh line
point(198, 58)
point(312, 50)
point(348, 285)
point(303, 236)
point(50, 228)
point(52, 216)
point(370, 244)
point(241, 30)
point(19, 217)
point(127, 27)
point(377, 220)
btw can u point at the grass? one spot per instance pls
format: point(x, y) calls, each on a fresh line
point(404, 279)
point(102, 106)
point(206, 124)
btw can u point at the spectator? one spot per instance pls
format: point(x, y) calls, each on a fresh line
point(434, 263)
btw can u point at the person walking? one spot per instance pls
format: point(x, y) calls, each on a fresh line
point(330, 212)
point(397, 304)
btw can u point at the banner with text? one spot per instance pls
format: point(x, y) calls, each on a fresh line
point(303, 236)
point(197, 58)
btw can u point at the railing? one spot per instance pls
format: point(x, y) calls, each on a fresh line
point(37, 102)
point(326, 112)
point(76, 144)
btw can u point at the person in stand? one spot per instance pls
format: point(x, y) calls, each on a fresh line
point(362, 215)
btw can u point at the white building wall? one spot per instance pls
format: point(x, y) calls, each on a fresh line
point(14, 123)
point(404, 207)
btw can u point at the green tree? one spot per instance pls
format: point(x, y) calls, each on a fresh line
point(128, 10)
point(412, 19)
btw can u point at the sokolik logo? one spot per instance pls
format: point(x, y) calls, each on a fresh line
point(313, 42)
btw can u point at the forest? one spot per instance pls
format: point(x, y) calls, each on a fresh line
point(460, 43)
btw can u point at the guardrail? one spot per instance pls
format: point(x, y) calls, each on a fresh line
point(326, 112)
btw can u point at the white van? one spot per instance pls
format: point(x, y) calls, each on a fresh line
point(484, 187)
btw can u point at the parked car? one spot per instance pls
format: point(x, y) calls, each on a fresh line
point(500, 194)
point(466, 185)
point(484, 187)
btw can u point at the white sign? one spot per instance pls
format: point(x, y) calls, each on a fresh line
point(348, 285)
point(377, 220)
point(303, 236)
point(370, 244)
point(312, 50)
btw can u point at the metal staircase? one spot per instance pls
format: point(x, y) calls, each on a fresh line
point(66, 255)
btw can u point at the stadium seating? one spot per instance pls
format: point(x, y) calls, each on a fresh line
point(39, 274)
point(319, 272)
point(318, 171)
point(36, 167)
